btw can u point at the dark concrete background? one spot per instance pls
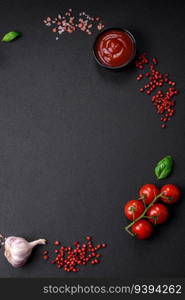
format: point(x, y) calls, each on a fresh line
point(77, 142)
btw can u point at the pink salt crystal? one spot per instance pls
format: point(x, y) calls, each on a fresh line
point(68, 23)
point(100, 26)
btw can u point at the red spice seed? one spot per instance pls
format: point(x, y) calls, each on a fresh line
point(162, 99)
point(53, 261)
point(154, 60)
point(69, 258)
point(56, 243)
point(96, 261)
point(45, 257)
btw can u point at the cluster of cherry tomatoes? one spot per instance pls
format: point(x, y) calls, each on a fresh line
point(147, 211)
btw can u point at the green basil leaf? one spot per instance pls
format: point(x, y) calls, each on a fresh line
point(10, 36)
point(164, 167)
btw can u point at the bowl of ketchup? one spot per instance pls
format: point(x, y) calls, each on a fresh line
point(114, 48)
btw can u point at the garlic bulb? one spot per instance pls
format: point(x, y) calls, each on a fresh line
point(18, 250)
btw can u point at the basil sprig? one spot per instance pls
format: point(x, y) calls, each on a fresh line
point(10, 36)
point(164, 167)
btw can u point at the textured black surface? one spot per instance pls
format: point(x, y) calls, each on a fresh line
point(77, 142)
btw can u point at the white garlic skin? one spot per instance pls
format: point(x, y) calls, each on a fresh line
point(18, 250)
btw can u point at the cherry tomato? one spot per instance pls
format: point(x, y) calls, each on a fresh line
point(133, 209)
point(171, 193)
point(148, 192)
point(158, 213)
point(142, 229)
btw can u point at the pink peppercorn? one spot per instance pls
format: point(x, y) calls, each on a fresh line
point(56, 243)
point(162, 99)
point(45, 257)
point(68, 258)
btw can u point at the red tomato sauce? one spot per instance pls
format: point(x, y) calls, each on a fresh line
point(115, 48)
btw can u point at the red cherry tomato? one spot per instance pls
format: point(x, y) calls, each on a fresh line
point(133, 209)
point(158, 213)
point(148, 192)
point(142, 229)
point(171, 193)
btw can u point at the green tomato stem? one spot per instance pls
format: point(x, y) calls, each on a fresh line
point(142, 215)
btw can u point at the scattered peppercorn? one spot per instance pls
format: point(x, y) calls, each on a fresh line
point(45, 257)
point(162, 100)
point(56, 243)
point(69, 258)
